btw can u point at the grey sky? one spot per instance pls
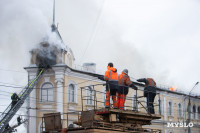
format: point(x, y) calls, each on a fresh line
point(156, 38)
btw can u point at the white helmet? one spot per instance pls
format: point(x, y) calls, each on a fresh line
point(125, 71)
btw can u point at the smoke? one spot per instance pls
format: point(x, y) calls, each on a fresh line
point(24, 24)
point(157, 39)
point(152, 39)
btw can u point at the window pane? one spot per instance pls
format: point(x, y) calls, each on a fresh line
point(89, 96)
point(71, 93)
point(50, 95)
point(179, 110)
point(134, 103)
point(170, 109)
point(47, 92)
point(160, 107)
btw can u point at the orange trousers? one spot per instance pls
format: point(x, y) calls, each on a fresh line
point(107, 101)
point(121, 98)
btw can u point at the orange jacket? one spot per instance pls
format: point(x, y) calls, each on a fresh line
point(124, 79)
point(111, 74)
point(123, 82)
point(151, 82)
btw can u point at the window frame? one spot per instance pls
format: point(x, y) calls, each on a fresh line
point(89, 101)
point(47, 89)
point(180, 110)
point(74, 93)
point(161, 107)
point(170, 108)
point(103, 97)
point(198, 110)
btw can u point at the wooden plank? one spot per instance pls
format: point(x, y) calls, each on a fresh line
point(113, 117)
point(130, 112)
point(136, 117)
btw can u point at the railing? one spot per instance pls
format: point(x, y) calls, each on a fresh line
point(73, 119)
point(138, 101)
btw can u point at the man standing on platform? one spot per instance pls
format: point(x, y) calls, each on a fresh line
point(149, 93)
point(124, 83)
point(111, 79)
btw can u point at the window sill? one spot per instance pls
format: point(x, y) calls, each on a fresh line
point(180, 117)
point(170, 116)
point(40, 102)
point(88, 105)
point(72, 103)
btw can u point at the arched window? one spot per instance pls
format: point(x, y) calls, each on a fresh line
point(89, 93)
point(71, 93)
point(194, 111)
point(104, 97)
point(199, 112)
point(170, 108)
point(47, 92)
point(160, 107)
point(189, 111)
point(179, 110)
point(134, 103)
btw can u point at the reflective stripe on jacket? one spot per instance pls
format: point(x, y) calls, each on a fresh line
point(151, 82)
point(111, 74)
point(124, 82)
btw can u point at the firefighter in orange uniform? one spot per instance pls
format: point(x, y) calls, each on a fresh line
point(111, 78)
point(124, 83)
point(149, 93)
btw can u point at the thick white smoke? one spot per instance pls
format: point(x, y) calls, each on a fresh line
point(151, 38)
point(24, 24)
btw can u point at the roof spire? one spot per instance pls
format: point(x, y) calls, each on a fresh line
point(53, 26)
point(53, 12)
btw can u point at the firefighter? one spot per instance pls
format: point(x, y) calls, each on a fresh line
point(149, 93)
point(15, 98)
point(19, 119)
point(111, 79)
point(124, 83)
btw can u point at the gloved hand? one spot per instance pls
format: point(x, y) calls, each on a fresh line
point(101, 78)
point(133, 86)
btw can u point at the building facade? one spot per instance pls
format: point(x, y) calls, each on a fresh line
point(59, 90)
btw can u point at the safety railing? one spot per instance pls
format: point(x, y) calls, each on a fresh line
point(91, 100)
point(136, 103)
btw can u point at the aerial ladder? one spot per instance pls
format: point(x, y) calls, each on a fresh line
point(10, 111)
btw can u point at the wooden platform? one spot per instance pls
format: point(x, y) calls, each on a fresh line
point(112, 121)
point(115, 119)
point(103, 130)
point(128, 116)
point(127, 112)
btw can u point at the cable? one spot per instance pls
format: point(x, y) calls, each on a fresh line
point(93, 35)
point(2, 69)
